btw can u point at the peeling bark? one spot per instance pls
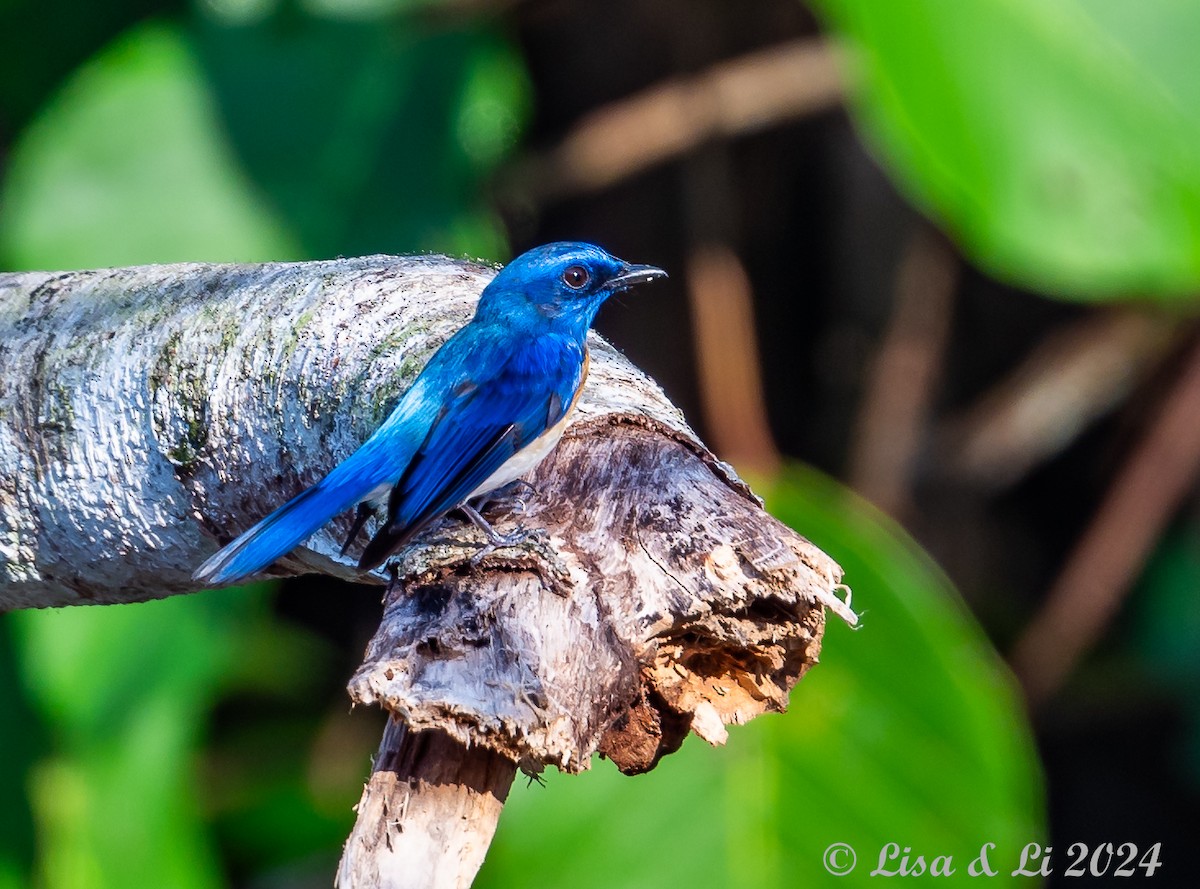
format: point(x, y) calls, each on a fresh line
point(661, 599)
point(147, 414)
point(427, 815)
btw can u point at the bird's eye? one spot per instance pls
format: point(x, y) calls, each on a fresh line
point(576, 277)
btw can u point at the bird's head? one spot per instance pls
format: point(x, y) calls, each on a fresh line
point(564, 283)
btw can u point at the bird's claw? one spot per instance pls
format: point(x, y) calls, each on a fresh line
point(501, 541)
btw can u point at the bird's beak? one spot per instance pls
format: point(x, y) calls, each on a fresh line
point(632, 275)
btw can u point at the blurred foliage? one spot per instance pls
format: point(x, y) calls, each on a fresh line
point(282, 139)
point(41, 43)
point(128, 165)
point(369, 136)
point(124, 691)
point(1059, 142)
point(133, 782)
point(909, 731)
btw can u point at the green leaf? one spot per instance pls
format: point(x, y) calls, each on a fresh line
point(1059, 142)
point(371, 136)
point(126, 690)
point(127, 165)
point(910, 731)
point(128, 794)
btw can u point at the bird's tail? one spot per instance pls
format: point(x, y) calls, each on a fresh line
point(275, 536)
point(366, 474)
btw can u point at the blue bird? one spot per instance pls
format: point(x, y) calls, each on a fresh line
point(488, 407)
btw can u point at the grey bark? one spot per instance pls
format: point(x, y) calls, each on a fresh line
point(146, 413)
point(428, 814)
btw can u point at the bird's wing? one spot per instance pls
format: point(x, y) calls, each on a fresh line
point(474, 436)
point(367, 472)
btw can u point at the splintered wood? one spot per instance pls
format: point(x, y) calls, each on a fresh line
point(662, 599)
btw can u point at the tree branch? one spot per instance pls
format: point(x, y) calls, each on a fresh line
point(1079, 373)
point(145, 411)
point(428, 813)
point(905, 372)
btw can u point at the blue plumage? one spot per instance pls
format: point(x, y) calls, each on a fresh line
point(485, 409)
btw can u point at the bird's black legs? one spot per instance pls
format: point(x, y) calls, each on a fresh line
point(364, 512)
point(514, 497)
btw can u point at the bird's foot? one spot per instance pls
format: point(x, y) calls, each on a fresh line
point(495, 540)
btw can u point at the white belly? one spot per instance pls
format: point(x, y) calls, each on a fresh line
point(523, 461)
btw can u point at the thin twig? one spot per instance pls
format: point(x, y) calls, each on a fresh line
point(904, 375)
point(731, 385)
point(1148, 490)
point(1074, 377)
point(740, 96)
